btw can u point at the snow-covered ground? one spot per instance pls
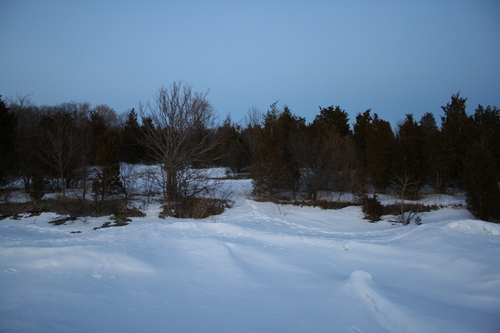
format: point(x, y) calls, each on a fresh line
point(258, 267)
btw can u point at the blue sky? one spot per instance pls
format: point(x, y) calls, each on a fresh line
point(395, 57)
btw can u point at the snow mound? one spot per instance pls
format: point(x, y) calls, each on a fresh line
point(382, 311)
point(475, 227)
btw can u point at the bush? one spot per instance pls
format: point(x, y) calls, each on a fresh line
point(67, 206)
point(196, 208)
point(372, 208)
point(481, 183)
point(37, 191)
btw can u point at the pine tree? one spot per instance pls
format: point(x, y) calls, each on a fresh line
point(379, 144)
point(481, 182)
point(438, 154)
point(131, 149)
point(107, 182)
point(363, 120)
point(273, 169)
point(8, 124)
point(333, 119)
point(487, 123)
point(234, 152)
point(409, 156)
point(459, 129)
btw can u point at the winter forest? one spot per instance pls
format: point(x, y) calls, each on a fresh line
point(167, 219)
point(86, 154)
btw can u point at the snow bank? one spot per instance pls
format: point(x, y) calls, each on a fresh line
point(475, 227)
point(258, 267)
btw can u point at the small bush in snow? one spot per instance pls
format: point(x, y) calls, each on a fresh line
point(372, 208)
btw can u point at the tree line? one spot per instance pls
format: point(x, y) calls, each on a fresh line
point(77, 146)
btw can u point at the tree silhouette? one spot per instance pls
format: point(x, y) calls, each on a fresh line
point(107, 182)
point(273, 169)
point(409, 158)
point(8, 124)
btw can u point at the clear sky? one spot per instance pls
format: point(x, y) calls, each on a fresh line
point(395, 57)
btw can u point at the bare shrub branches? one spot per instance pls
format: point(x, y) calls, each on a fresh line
point(181, 135)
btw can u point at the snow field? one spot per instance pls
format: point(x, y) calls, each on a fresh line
point(258, 267)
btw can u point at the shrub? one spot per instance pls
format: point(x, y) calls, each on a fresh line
point(372, 208)
point(481, 183)
point(196, 208)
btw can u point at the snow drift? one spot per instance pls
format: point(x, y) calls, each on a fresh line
point(258, 267)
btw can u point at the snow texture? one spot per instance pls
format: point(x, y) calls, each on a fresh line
point(258, 267)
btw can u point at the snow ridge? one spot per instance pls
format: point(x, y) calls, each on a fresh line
point(386, 314)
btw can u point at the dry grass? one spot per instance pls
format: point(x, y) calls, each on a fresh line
point(196, 208)
point(72, 207)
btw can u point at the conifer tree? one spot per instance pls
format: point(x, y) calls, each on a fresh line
point(234, 152)
point(131, 149)
point(363, 120)
point(373, 138)
point(107, 182)
point(409, 156)
point(273, 169)
point(379, 144)
point(481, 181)
point(438, 153)
point(333, 119)
point(8, 124)
point(487, 123)
point(459, 129)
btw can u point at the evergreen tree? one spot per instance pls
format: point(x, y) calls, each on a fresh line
point(234, 152)
point(8, 124)
point(459, 129)
point(409, 159)
point(363, 120)
point(481, 182)
point(438, 154)
point(379, 144)
point(333, 119)
point(487, 123)
point(107, 182)
point(273, 169)
point(131, 149)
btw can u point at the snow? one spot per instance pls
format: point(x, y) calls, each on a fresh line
point(258, 267)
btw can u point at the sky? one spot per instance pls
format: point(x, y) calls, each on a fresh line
point(394, 57)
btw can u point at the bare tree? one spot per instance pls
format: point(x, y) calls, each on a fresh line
point(108, 115)
point(181, 135)
point(250, 134)
point(61, 143)
point(404, 186)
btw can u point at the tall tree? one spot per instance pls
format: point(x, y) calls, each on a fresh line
point(374, 139)
point(131, 149)
point(458, 127)
point(234, 151)
point(438, 153)
point(274, 170)
point(487, 123)
point(409, 158)
point(180, 134)
point(27, 142)
point(60, 143)
point(480, 179)
point(333, 118)
point(326, 153)
point(251, 131)
point(107, 182)
point(8, 124)
point(360, 129)
point(379, 145)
